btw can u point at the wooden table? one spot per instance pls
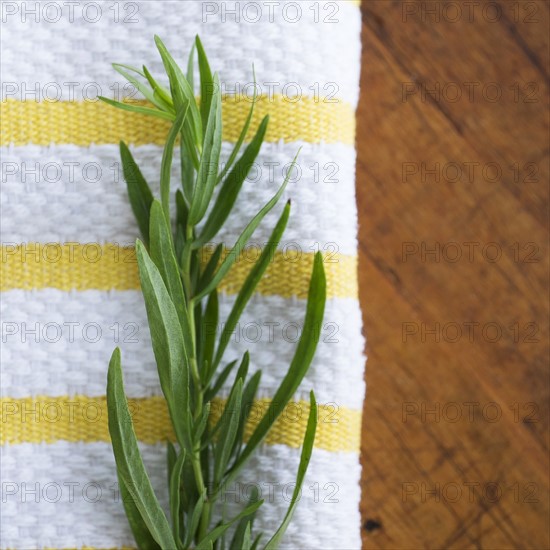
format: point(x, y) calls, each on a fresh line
point(452, 182)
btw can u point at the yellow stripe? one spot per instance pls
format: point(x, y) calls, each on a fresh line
point(84, 419)
point(74, 266)
point(87, 123)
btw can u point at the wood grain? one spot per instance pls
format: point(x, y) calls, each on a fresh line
point(455, 428)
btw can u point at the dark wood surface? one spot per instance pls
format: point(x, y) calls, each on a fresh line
point(455, 429)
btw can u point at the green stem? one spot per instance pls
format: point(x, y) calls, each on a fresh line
point(196, 457)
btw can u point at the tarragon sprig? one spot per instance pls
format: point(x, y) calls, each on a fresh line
point(181, 300)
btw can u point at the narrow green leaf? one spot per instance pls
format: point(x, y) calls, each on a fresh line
point(256, 542)
point(183, 99)
point(184, 249)
point(128, 67)
point(218, 531)
point(301, 361)
point(247, 401)
point(171, 457)
point(138, 109)
point(250, 284)
point(189, 161)
point(194, 521)
point(195, 269)
point(182, 90)
point(162, 254)
point(243, 239)
point(211, 267)
point(246, 543)
point(188, 165)
point(209, 332)
point(166, 164)
point(200, 426)
point(191, 67)
point(244, 132)
point(224, 375)
point(185, 262)
point(129, 462)
point(144, 90)
point(139, 193)
point(168, 344)
point(229, 423)
point(179, 241)
point(207, 82)
point(241, 537)
point(231, 187)
point(142, 535)
point(189, 493)
point(242, 373)
point(182, 212)
point(307, 450)
point(199, 338)
point(209, 161)
point(175, 495)
point(161, 94)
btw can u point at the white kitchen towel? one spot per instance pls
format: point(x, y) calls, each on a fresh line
point(69, 291)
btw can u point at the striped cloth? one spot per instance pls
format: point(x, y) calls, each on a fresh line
point(69, 277)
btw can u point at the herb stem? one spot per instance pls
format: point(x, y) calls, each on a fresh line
point(199, 392)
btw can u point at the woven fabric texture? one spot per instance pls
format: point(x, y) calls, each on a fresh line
point(69, 286)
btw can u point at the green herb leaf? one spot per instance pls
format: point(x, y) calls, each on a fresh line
point(210, 328)
point(300, 363)
point(243, 239)
point(229, 423)
point(224, 375)
point(187, 163)
point(194, 521)
point(182, 212)
point(168, 345)
point(189, 493)
point(231, 187)
point(247, 401)
point(211, 267)
point(217, 532)
point(305, 457)
point(166, 164)
point(130, 466)
point(208, 166)
point(175, 495)
point(162, 254)
point(182, 92)
point(244, 131)
point(256, 542)
point(200, 426)
point(251, 283)
point(144, 90)
point(207, 83)
point(137, 525)
point(191, 67)
point(171, 457)
point(139, 193)
point(241, 538)
point(138, 109)
point(161, 94)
